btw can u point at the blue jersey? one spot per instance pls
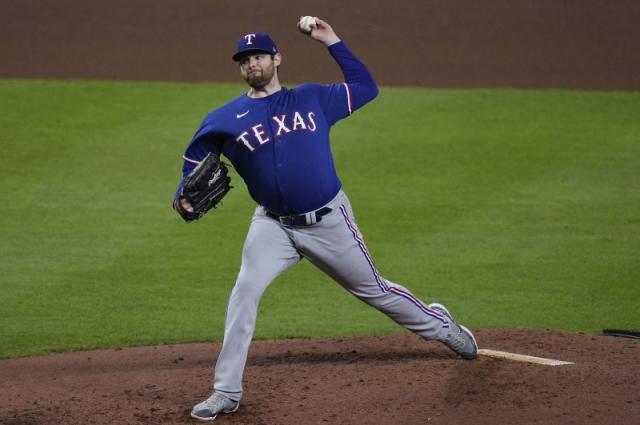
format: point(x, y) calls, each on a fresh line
point(279, 144)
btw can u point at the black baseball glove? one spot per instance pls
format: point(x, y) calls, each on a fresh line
point(204, 188)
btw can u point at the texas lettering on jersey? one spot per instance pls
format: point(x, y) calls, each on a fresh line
point(257, 135)
point(279, 144)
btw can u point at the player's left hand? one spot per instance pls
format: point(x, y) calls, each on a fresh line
point(203, 189)
point(318, 29)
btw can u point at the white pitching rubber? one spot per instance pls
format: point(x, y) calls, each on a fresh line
point(521, 358)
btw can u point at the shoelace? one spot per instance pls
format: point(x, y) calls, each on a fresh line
point(216, 402)
point(456, 341)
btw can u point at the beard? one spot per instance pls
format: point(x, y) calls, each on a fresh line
point(258, 79)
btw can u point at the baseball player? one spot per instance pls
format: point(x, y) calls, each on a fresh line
point(278, 141)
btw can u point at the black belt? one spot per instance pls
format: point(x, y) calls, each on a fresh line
point(300, 219)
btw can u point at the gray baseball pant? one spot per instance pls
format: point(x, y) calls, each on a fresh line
point(335, 246)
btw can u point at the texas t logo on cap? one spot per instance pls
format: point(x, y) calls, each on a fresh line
point(255, 42)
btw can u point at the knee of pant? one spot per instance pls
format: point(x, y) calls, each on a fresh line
point(249, 290)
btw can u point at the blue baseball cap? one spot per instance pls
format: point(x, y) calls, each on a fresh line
point(255, 42)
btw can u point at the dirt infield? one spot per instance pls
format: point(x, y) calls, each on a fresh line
point(394, 380)
point(589, 44)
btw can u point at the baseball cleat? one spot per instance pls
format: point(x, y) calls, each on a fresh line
point(459, 339)
point(209, 409)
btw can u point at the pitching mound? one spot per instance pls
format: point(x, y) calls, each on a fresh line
point(394, 379)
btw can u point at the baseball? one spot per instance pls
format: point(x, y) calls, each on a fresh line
point(307, 24)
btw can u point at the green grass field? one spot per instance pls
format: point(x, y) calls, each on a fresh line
point(516, 208)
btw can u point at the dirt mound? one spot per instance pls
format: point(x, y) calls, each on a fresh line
point(394, 379)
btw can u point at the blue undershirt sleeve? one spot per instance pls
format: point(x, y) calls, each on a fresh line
point(359, 87)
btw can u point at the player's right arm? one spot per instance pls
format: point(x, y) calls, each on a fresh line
point(359, 88)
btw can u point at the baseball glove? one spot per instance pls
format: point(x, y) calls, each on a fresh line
point(204, 188)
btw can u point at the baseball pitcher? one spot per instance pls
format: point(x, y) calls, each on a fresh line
point(277, 139)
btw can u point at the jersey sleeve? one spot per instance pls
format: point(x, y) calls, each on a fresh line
point(205, 140)
point(359, 88)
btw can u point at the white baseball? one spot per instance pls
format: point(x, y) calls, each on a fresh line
point(307, 24)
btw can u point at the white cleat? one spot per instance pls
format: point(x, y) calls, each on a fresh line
point(459, 339)
point(209, 409)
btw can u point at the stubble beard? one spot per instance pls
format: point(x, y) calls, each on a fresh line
point(260, 78)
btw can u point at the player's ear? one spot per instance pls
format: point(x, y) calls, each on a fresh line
point(277, 59)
